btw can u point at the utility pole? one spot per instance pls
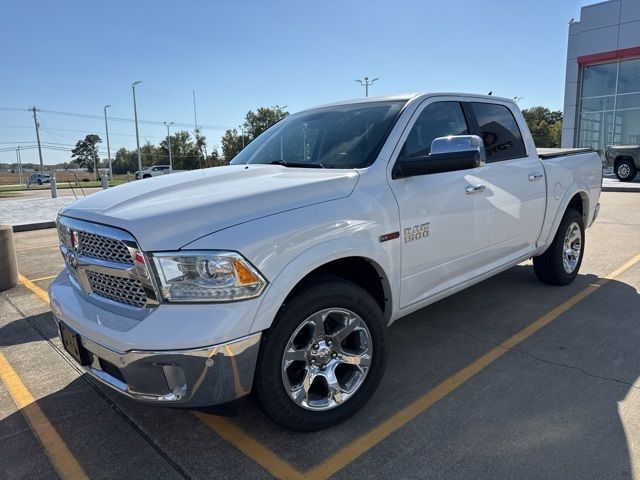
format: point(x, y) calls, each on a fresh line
point(135, 116)
point(365, 83)
point(169, 140)
point(35, 120)
point(19, 164)
point(106, 127)
point(195, 117)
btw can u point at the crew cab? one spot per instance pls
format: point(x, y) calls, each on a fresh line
point(281, 272)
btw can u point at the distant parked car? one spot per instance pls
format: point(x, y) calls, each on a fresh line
point(39, 178)
point(155, 171)
point(625, 160)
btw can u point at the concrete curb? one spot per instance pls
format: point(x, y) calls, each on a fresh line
point(27, 227)
point(621, 189)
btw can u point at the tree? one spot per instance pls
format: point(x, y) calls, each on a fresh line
point(255, 123)
point(231, 144)
point(85, 153)
point(545, 126)
point(258, 121)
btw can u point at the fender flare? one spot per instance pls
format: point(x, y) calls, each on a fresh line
point(576, 188)
point(315, 257)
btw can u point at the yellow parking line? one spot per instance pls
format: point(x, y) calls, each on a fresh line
point(251, 447)
point(41, 293)
point(348, 454)
point(278, 467)
point(59, 454)
point(34, 247)
point(49, 277)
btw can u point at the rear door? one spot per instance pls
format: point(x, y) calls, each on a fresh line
point(516, 187)
point(444, 230)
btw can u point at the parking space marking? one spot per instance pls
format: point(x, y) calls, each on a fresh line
point(34, 247)
point(33, 280)
point(41, 293)
point(359, 446)
point(251, 447)
point(59, 454)
point(280, 468)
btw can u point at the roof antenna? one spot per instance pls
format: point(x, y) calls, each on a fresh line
point(490, 93)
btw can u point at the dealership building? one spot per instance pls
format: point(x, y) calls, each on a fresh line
point(602, 90)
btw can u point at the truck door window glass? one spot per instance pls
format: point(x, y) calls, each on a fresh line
point(499, 131)
point(340, 136)
point(439, 119)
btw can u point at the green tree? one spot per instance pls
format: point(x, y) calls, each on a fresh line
point(231, 144)
point(183, 151)
point(545, 126)
point(254, 124)
point(85, 153)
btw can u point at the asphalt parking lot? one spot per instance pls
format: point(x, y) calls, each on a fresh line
point(508, 379)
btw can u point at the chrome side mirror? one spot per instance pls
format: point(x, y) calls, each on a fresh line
point(448, 154)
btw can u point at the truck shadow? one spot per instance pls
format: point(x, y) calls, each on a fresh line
point(550, 409)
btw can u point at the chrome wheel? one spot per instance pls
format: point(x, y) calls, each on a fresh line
point(327, 359)
point(572, 247)
point(624, 170)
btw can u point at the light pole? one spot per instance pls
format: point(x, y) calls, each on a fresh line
point(169, 140)
point(365, 83)
point(135, 116)
point(241, 127)
point(106, 127)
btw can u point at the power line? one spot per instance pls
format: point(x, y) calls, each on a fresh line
point(116, 119)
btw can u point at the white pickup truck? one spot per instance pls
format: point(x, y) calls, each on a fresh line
point(281, 272)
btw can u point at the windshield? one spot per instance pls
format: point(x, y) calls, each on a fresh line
point(342, 136)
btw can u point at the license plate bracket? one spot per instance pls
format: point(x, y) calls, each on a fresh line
point(73, 345)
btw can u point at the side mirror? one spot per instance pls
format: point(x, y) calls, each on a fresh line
point(448, 154)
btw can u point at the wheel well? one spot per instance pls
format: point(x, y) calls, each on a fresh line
point(620, 158)
point(580, 203)
point(358, 270)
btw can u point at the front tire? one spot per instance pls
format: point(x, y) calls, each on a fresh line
point(560, 263)
point(626, 170)
point(324, 356)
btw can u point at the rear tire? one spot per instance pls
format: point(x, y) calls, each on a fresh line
point(626, 170)
point(560, 263)
point(302, 381)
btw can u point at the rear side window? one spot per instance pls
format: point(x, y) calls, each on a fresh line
point(439, 119)
point(499, 131)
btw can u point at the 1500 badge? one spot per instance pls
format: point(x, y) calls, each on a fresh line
point(417, 232)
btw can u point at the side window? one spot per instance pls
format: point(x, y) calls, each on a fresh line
point(439, 119)
point(499, 131)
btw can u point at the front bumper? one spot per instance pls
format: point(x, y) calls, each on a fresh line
point(186, 378)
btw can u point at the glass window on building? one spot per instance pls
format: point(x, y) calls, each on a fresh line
point(609, 111)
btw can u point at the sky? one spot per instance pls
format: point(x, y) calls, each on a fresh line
point(78, 56)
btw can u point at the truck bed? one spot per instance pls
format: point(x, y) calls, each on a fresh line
point(547, 153)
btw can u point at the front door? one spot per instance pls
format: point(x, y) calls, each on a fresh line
point(444, 229)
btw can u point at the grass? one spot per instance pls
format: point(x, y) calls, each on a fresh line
point(63, 185)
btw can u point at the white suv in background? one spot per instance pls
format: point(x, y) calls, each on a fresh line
point(154, 171)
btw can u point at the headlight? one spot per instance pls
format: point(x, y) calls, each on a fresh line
point(206, 276)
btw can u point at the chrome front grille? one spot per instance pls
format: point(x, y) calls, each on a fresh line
point(100, 261)
point(122, 290)
point(104, 248)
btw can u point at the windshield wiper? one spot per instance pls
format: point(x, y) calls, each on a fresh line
point(295, 165)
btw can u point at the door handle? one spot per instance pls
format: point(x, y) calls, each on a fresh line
point(535, 176)
point(475, 188)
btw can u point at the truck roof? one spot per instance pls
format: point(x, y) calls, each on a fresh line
point(411, 96)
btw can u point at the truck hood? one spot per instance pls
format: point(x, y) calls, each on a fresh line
point(170, 211)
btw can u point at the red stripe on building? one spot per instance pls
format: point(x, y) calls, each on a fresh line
point(612, 55)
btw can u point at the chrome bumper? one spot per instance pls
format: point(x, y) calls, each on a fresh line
point(185, 378)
